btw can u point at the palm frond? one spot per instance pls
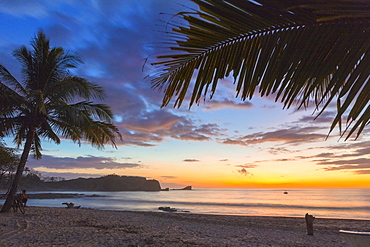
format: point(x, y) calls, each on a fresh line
point(100, 133)
point(71, 87)
point(46, 131)
point(12, 94)
point(301, 51)
point(7, 125)
point(24, 56)
point(36, 147)
point(9, 84)
point(85, 121)
point(91, 110)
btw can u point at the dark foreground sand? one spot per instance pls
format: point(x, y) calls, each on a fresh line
point(42, 226)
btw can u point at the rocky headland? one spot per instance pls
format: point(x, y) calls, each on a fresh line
point(105, 183)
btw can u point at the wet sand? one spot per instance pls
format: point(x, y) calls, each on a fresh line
point(46, 226)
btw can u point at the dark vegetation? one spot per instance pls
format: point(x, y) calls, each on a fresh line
point(8, 160)
point(32, 182)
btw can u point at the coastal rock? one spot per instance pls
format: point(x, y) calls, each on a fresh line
point(168, 209)
point(185, 188)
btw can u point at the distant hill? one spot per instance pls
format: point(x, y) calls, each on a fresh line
point(106, 183)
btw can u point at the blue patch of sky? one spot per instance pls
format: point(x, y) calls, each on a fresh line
point(17, 29)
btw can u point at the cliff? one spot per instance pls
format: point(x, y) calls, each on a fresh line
point(106, 183)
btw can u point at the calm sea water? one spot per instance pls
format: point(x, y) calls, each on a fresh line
point(323, 203)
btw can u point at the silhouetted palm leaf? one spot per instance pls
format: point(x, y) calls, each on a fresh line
point(302, 51)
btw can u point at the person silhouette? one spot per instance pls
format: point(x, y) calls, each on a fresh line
point(23, 198)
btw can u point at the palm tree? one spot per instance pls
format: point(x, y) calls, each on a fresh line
point(50, 103)
point(301, 51)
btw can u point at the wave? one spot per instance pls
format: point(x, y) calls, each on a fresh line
point(249, 205)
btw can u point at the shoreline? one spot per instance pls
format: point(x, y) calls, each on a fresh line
point(49, 226)
point(57, 195)
point(320, 203)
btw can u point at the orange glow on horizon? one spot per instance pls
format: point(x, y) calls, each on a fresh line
point(221, 179)
point(238, 184)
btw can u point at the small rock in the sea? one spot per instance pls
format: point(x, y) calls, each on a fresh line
point(167, 209)
point(94, 195)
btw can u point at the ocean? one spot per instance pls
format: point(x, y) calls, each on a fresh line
point(322, 203)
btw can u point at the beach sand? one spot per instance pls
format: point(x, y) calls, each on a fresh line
point(44, 226)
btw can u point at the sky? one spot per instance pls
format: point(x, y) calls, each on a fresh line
point(221, 143)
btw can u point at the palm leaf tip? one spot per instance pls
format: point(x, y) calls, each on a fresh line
point(302, 51)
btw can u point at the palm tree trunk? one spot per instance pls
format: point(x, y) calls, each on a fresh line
point(22, 163)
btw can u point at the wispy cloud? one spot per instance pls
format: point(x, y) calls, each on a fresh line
point(344, 157)
point(169, 177)
point(191, 160)
point(213, 105)
point(191, 136)
point(247, 166)
point(151, 128)
point(325, 117)
point(293, 136)
point(245, 169)
point(193, 133)
point(22, 9)
point(49, 161)
point(244, 172)
point(350, 164)
point(278, 150)
point(231, 141)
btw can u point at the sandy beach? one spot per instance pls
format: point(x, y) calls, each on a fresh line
point(44, 226)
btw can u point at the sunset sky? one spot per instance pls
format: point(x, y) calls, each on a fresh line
point(223, 142)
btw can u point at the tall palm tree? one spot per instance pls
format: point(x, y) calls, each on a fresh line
point(50, 103)
point(301, 51)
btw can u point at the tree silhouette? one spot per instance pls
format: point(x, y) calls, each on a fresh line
point(48, 103)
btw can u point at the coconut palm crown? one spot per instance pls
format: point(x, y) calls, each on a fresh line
point(300, 51)
point(50, 103)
